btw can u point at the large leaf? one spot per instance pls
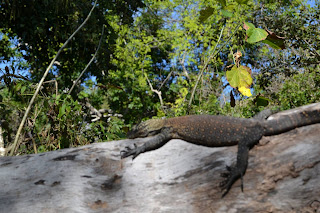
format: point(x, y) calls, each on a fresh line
point(257, 35)
point(266, 36)
point(240, 77)
point(62, 110)
point(274, 40)
point(249, 27)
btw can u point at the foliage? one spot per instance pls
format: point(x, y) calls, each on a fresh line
point(158, 59)
point(56, 122)
point(299, 24)
point(5, 46)
point(300, 90)
point(41, 27)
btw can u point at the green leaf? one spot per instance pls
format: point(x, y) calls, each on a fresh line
point(226, 13)
point(23, 89)
point(274, 41)
point(262, 101)
point(68, 108)
point(205, 14)
point(257, 35)
point(242, 1)
point(271, 44)
point(62, 110)
point(249, 27)
point(18, 86)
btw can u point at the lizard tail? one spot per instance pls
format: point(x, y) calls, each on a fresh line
point(301, 116)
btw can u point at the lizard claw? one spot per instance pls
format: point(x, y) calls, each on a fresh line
point(231, 176)
point(229, 168)
point(128, 151)
point(227, 173)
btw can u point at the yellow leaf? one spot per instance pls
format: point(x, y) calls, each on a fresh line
point(245, 91)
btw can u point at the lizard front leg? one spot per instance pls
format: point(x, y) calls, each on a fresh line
point(154, 143)
point(237, 171)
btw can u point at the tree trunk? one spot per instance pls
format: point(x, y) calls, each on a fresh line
point(283, 176)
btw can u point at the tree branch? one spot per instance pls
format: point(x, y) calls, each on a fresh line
point(167, 78)
point(155, 91)
point(214, 53)
point(15, 143)
point(95, 54)
point(311, 48)
point(182, 64)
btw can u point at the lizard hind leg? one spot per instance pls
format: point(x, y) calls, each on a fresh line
point(236, 172)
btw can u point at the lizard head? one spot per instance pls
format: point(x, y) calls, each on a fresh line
point(146, 129)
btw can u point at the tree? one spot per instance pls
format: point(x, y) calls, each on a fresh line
point(41, 27)
point(188, 33)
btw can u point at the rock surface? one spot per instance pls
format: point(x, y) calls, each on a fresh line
point(283, 176)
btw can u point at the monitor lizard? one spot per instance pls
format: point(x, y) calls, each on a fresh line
point(217, 131)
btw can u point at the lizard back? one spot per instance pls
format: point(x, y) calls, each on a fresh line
point(214, 131)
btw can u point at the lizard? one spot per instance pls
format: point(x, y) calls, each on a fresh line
point(217, 131)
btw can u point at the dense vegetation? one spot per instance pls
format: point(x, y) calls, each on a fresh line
point(155, 59)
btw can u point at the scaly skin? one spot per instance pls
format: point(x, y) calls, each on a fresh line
point(217, 131)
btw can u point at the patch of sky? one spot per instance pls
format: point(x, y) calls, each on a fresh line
point(18, 63)
point(313, 3)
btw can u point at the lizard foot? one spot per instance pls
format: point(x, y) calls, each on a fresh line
point(231, 175)
point(130, 151)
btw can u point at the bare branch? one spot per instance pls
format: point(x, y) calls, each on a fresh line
point(95, 54)
point(167, 78)
point(183, 67)
point(93, 110)
point(213, 54)
point(311, 48)
point(14, 76)
point(204, 67)
point(155, 91)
